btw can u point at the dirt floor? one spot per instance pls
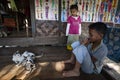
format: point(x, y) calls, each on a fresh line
point(47, 67)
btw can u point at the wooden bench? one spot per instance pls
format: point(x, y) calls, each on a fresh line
point(112, 69)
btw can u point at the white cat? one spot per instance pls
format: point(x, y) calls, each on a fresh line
point(26, 59)
point(28, 54)
point(17, 58)
point(30, 65)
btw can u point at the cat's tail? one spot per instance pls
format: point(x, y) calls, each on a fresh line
point(39, 56)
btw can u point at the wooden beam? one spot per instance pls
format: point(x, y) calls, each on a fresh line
point(32, 12)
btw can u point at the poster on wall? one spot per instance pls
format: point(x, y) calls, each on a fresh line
point(91, 10)
point(46, 9)
point(117, 16)
point(65, 8)
point(108, 10)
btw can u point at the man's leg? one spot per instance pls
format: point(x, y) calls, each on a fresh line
point(74, 72)
point(83, 61)
point(71, 60)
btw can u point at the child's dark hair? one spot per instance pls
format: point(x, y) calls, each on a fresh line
point(99, 27)
point(74, 7)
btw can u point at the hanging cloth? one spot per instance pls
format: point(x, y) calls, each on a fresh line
point(13, 5)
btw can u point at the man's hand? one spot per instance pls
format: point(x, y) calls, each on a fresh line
point(85, 41)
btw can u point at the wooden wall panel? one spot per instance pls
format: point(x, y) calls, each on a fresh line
point(47, 28)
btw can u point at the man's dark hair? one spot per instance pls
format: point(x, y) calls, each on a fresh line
point(74, 7)
point(99, 27)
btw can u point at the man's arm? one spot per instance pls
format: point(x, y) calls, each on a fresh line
point(93, 59)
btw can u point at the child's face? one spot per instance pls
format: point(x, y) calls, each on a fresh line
point(74, 12)
point(94, 35)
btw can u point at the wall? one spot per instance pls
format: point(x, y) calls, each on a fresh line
point(112, 40)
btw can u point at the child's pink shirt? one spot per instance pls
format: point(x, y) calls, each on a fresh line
point(74, 24)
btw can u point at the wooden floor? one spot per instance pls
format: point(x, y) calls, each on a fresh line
point(47, 67)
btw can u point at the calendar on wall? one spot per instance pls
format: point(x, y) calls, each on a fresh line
point(46, 9)
point(91, 10)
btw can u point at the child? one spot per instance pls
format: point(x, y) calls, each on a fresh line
point(73, 29)
point(90, 53)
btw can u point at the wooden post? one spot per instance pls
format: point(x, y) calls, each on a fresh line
point(17, 24)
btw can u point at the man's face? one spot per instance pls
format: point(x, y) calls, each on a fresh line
point(94, 35)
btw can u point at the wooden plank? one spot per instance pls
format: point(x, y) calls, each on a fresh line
point(5, 69)
point(24, 75)
point(11, 73)
point(35, 74)
point(20, 71)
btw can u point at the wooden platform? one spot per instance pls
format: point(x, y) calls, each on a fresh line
point(47, 67)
